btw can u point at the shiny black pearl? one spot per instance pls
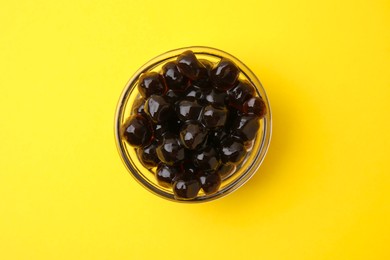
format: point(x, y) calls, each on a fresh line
point(195, 93)
point(174, 124)
point(172, 96)
point(207, 64)
point(190, 169)
point(240, 93)
point(232, 150)
point(210, 183)
point(158, 108)
point(215, 136)
point(165, 175)
point(226, 170)
point(137, 131)
point(174, 79)
point(214, 117)
point(225, 74)
point(203, 80)
point(170, 151)
point(233, 114)
point(138, 107)
point(189, 65)
point(246, 127)
point(186, 187)
point(255, 106)
point(159, 130)
point(216, 98)
point(148, 155)
point(151, 83)
point(192, 135)
point(207, 159)
point(188, 110)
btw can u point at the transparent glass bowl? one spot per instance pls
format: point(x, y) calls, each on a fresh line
point(145, 176)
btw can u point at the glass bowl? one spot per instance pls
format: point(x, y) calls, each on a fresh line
point(146, 177)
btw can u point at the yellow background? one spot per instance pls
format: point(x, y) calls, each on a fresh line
point(321, 193)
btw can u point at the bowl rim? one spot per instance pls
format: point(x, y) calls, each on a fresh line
point(261, 151)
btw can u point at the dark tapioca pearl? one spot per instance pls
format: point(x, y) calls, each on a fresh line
point(178, 175)
point(170, 151)
point(163, 128)
point(226, 170)
point(174, 124)
point(165, 175)
point(203, 80)
point(233, 114)
point(207, 64)
point(195, 93)
point(255, 106)
point(138, 107)
point(137, 131)
point(180, 171)
point(206, 159)
point(174, 79)
point(188, 110)
point(159, 130)
point(151, 83)
point(172, 96)
point(232, 150)
point(215, 136)
point(210, 183)
point(225, 74)
point(192, 134)
point(216, 98)
point(214, 117)
point(148, 155)
point(240, 93)
point(189, 155)
point(186, 187)
point(158, 108)
point(189, 65)
point(190, 169)
point(246, 127)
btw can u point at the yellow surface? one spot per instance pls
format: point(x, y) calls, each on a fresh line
point(321, 193)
